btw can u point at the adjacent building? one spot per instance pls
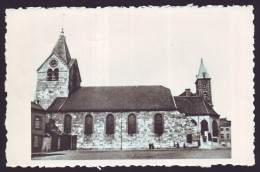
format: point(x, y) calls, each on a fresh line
point(225, 132)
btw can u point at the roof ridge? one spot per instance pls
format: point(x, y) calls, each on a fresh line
point(175, 103)
point(188, 96)
point(205, 105)
point(63, 103)
point(123, 86)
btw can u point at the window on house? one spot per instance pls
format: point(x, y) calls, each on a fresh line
point(221, 129)
point(37, 122)
point(227, 129)
point(158, 124)
point(56, 74)
point(110, 126)
point(49, 75)
point(35, 141)
point(67, 123)
point(131, 124)
point(227, 136)
point(88, 125)
point(222, 136)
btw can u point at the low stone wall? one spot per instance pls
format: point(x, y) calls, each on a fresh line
point(176, 126)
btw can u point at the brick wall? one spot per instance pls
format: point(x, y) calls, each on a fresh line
point(175, 128)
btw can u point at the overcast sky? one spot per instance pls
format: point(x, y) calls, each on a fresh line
point(144, 46)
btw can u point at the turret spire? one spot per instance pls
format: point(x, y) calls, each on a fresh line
point(202, 71)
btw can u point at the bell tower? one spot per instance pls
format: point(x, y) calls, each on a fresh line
point(58, 76)
point(203, 84)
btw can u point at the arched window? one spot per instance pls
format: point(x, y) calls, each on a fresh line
point(194, 122)
point(205, 95)
point(131, 124)
point(215, 128)
point(88, 125)
point(158, 124)
point(56, 74)
point(49, 75)
point(110, 126)
point(204, 126)
point(67, 123)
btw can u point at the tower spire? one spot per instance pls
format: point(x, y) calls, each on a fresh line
point(61, 48)
point(202, 71)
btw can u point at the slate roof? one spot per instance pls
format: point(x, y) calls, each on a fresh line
point(184, 94)
point(61, 49)
point(194, 105)
point(202, 71)
point(118, 98)
point(36, 106)
point(224, 122)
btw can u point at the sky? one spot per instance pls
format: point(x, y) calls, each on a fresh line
point(143, 46)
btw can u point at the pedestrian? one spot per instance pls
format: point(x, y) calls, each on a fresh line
point(178, 145)
point(184, 146)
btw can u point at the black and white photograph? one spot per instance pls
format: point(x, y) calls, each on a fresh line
point(136, 86)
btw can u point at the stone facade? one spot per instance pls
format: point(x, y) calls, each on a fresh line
point(47, 91)
point(206, 143)
point(175, 128)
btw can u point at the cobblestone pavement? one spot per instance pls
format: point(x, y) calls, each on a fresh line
point(134, 154)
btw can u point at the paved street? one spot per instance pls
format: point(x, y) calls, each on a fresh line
point(134, 154)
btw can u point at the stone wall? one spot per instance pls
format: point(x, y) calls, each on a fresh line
point(47, 91)
point(176, 126)
point(197, 130)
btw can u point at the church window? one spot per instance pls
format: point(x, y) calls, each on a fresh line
point(194, 122)
point(158, 124)
point(215, 128)
point(88, 125)
point(110, 125)
point(131, 124)
point(67, 123)
point(56, 74)
point(205, 95)
point(37, 123)
point(204, 126)
point(49, 75)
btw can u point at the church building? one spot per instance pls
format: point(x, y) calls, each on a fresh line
point(118, 117)
point(199, 108)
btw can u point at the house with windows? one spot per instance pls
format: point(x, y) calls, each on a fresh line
point(225, 132)
point(119, 117)
point(38, 118)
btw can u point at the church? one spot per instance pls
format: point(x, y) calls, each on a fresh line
point(66, 115)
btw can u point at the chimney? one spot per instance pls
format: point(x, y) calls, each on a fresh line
point(187, 92)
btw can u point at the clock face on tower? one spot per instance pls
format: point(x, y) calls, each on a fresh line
point(53, 62)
